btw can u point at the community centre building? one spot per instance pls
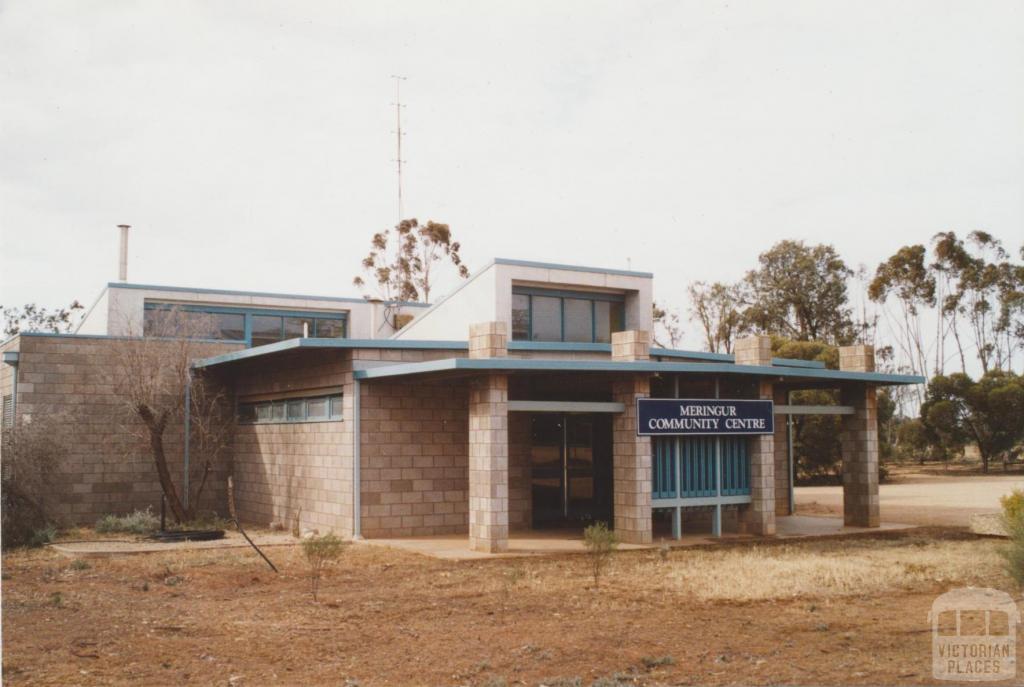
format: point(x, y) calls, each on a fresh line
point(529, 398)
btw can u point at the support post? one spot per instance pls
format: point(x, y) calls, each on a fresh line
point(631, 454)
point(488, 463)
point(860, 442)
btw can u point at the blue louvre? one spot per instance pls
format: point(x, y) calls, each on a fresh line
point(665, 461)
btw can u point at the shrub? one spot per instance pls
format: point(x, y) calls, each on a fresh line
point(139, 522)
point(600, 542)
point(1013, 521)
point(32, 454)
point(320, 552)
point(42, 536)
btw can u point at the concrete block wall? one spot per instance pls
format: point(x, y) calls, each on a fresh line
point(296, 471)
point(631, 465)
point(106, 470)
point(414, 461)
point(759, 515)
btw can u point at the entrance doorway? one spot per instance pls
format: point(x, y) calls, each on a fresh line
point(570, 469)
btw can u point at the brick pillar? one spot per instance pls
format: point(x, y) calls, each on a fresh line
point(488, 463)
point(631, 464)
point(488, 340)
point(859, 441)
point(634, 344)
point(781, 440)
point(631, 455)
point(759, 516)
point(753, 350)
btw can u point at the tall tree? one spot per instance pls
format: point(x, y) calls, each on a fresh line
point(716, 307)
point(400, 263)
point(33, 318)
point(800, 292)
point(906, 277)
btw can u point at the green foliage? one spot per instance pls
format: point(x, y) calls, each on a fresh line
point(600, 542)
point(137, 522)
point(1013, 505)
point(800, 292)
point(42, 536)
point(716, 307)
point(987, 413)
point(1013, 522)
point(321, 552)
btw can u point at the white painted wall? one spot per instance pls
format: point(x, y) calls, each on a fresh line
point(487, 297)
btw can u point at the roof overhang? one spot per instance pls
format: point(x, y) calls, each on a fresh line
point(641, 366)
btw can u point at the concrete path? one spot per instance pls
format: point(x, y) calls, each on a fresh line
point(921, 499)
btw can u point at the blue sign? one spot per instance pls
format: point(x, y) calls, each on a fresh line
point(693, 416)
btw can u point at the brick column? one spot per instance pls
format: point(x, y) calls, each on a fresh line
point(631, 455)
point(488, 340)
point(759, 516)
point(781, 438)
point(488, 463)
point(859, 441)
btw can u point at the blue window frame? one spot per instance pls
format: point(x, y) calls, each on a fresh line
point(323, 408)
point(555, 315)
point(257, 326)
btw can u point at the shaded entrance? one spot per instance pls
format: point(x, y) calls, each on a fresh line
point(570, 469)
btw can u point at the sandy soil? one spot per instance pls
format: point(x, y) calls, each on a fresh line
point(390, 617)
point(921, 498)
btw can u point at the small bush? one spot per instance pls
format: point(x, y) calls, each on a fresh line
point(600, 542)
point(42, 536)
point(139, 522)
point(79, 564)
point(651, 662)
point(1013, 521)
point(320, 552)
point(1013, 504)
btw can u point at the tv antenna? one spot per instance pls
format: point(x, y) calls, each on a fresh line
point(398, 139)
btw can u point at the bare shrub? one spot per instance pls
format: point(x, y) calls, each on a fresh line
point(600, 542)
point(155, 379)
point(320, 552)
point(32, 451)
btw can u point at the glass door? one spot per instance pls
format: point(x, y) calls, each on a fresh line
point(571, 475)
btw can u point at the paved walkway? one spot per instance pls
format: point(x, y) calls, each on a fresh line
point(922, 499)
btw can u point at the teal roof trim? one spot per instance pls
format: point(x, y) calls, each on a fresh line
point(535, 365)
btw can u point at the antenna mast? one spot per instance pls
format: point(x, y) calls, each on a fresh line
point(398, 139)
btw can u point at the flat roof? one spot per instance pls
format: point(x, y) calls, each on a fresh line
point(715, 363)
point(540, 365)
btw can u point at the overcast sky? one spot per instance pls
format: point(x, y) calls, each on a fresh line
point(250, 144)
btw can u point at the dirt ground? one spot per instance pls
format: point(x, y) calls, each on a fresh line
point(819, 614)
point(922, 496)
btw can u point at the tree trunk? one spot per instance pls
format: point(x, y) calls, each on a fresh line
point(156, 445)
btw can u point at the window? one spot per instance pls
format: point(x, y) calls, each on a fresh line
point(7, 418)
point(256, 327)
point(308, 409)
point(543, 315)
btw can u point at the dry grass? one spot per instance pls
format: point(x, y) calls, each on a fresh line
point(828, 570)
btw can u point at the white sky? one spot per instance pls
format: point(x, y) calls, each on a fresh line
point(250, 144)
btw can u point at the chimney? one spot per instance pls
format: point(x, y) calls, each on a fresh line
point(122, 270)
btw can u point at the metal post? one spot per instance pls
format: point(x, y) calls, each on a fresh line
point(188, 423)
point(677, 515)
point(717, 527)
point(357, 528)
